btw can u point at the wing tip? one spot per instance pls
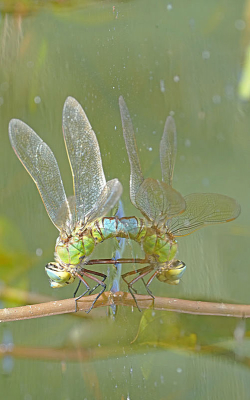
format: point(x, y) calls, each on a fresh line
point(237, 211)
point(71, 102)
point(124, 110)
point(117, 184)
point(170, 124)
point(13, 122)
point(121, 101)
point(13, 130)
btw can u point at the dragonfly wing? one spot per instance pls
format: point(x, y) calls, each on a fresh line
point(136, 177)
point(110, 195)
point(84, 157)
point(203, 209)
point(40, 162)
point(168, 150)
point(158, 201)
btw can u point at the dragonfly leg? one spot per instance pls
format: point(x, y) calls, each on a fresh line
point(147, 289)
point(94, 273)
point(90, 274)
point(147, 285)
point(133, 273)
point(98, 274)
point(142, 272)
point(83, 294)
point(77, 288)
point(127, 274)
point(133, 295)
point(149, 282)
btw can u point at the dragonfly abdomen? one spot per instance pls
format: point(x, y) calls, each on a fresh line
point(111, 227)
point(154, 242)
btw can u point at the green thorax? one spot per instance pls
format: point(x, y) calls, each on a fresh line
point(160, 245)
point(75, 248)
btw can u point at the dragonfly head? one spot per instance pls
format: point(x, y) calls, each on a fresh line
point(172, 272)
point(58, 276)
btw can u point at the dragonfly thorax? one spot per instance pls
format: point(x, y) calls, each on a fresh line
point(160, 245)
point(75, 249)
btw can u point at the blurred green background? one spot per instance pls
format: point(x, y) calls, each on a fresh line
point(191, 58)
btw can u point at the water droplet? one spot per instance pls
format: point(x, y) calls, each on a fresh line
point(37, 99)
point(39, 252)
point(206, 55)
point(240, 24)
point(162, 86)
point(216, 99)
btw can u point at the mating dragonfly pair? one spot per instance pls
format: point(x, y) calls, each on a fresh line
point(81, 219)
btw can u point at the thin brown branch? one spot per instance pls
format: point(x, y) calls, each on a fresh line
point(125, 299)
point(18, 296)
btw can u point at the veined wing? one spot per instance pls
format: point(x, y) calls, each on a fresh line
point(84, 157)
point(136, 177)
point(40, 162)
point(110, 195)
point(168, 150)
point(203, 209)
point(158, 201)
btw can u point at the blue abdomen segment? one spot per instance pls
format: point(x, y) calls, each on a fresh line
point(128, 228)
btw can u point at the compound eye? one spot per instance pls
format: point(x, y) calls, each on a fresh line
point(58, 276)
point(177, 264)
point(172, 272)
point(176, 270)
point(56, 285)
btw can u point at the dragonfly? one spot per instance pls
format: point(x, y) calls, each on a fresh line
point(167, 214)
point(81, 219)
point(93, 196)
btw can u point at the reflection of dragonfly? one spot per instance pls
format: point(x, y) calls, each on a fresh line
point(93, 197)
point(168, 214)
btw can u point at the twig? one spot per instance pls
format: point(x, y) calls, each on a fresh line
point(125, 299)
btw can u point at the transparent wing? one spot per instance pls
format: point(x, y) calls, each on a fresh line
point(136, 177)
point(40, 162)
point(168, 150)
point(107, 199)
point(84, 157)
point(158, 201)
point(203, 209)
